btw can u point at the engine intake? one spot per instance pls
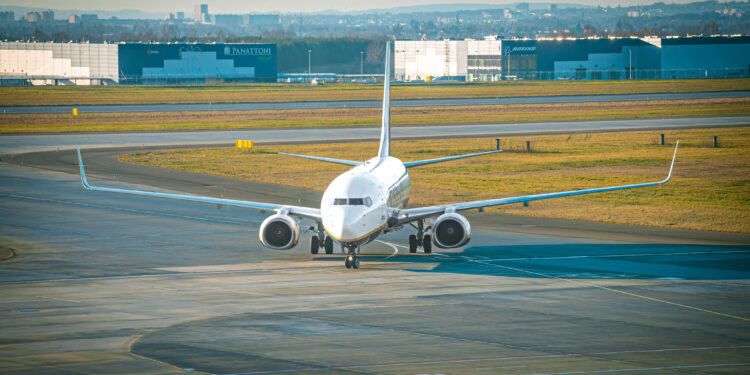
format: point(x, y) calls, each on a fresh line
point(279, 232)
point(451, 230)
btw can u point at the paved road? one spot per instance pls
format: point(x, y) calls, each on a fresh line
point(13, 144)
point(105, 283)
point(116, 108)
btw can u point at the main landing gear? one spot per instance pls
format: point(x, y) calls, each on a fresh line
point(321, 241)
point(352, 261)
point(420, 239)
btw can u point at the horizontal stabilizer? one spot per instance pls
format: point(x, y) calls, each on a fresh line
point(319, 158)
point(449, 158)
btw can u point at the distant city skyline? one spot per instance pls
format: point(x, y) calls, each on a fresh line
point(284, 6)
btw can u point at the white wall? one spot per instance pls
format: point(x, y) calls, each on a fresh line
point(79, 62)
point(415, 60)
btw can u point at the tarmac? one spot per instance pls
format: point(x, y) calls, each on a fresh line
point(24, 143)
point(106, 283)
point(440, 102)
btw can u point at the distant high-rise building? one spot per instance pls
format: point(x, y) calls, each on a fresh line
point(89, 18)
point(8, 16)
point(74, 18)
point(46, 16)
point(180, 16)
point(32, 17)
point(507, 14)
point(201, 13)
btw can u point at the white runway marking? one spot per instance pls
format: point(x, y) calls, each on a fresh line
point(643, 369)
point(394, 246)
point(616, 255)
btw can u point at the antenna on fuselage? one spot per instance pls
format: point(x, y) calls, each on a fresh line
point(385, 133)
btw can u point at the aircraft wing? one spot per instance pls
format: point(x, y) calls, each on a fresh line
point(411, 214)
point(320, 158)
point(306, 212)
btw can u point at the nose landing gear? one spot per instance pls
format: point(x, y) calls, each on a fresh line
point(352, 261)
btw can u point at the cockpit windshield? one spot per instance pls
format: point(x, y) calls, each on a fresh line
point(366, 201)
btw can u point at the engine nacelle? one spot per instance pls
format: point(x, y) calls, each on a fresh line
point(450, 230)
point(279, 232)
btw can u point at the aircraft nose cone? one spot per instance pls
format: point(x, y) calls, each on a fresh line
point(344, 226)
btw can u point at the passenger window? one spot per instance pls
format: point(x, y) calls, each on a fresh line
point(356, 201)
point(339, 202)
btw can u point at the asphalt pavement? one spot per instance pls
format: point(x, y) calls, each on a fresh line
point(14, 144)
point(107, 283)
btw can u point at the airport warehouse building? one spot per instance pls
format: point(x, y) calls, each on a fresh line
point(591, 59)
point(135, 63)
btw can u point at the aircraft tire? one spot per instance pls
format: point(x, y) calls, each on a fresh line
point(412, 243)
point(328, 245)
point(427, 244)
point(314, 244)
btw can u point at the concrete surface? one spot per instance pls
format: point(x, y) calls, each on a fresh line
point(123, 108)
point(105, 283)
point(14, 144)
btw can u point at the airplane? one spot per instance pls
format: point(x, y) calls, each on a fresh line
point(370, 200)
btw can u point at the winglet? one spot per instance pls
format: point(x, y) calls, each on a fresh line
point(83, 173)
point(669, 176)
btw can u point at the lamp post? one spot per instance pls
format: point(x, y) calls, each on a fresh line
point(361, 61)
point(308, 61)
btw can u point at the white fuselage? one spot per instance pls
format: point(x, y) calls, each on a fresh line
point(357, 204)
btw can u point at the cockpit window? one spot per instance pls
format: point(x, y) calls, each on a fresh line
point(353, 202)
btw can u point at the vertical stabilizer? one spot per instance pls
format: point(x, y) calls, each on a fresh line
point(385, 133)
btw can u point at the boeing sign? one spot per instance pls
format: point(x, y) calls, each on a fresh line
point(510, 50)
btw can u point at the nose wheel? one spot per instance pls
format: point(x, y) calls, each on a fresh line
point(352, 260)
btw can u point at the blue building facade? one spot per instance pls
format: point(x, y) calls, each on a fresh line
point(163, 63)
point(706, 57)
point(597, 59)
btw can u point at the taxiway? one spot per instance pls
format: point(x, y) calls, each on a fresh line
point(105, 283)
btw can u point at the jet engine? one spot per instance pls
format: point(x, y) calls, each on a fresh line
point(451, 230)
point(279, 232)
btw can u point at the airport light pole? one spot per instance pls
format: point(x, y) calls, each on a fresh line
point(361, 61)
point(308, 61)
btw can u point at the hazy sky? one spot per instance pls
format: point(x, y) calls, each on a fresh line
point(235, 6)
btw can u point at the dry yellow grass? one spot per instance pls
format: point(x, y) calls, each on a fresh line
point(370, 116)
point(275, 92)
point(710, 189)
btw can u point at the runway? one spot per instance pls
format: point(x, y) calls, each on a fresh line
point(13, 144)
point(104, 283)
point(125, 108)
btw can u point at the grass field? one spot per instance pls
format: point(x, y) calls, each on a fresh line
point(273, 92)
point(710, 189)
point(370, 116)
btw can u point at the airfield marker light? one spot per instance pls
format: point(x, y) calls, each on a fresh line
point(75, 111)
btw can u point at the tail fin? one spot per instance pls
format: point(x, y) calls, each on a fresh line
point(385, 134)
